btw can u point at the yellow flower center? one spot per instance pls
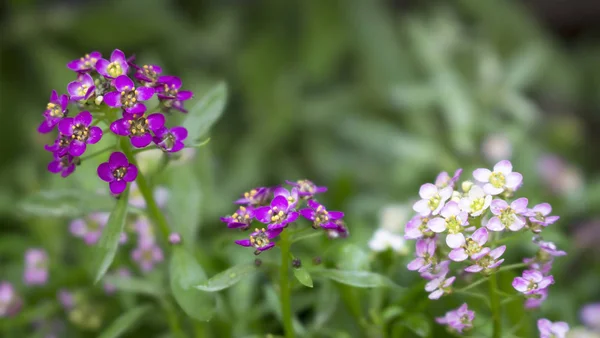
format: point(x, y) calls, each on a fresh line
point(497, 179)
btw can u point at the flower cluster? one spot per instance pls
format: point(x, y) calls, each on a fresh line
point(462, 223)
point(113, 92)
point(458, 320)
point(277, 207)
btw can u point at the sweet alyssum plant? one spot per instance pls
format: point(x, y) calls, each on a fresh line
point(460, 231)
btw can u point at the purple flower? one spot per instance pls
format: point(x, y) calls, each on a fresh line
point(590, 316)
point(306, 188)
point(147, 73)
point(128, 96)
point(36, 267)
point(61, 145)
point(475, 202)
point(117, 171)
point(90, 227)
point(138, 128)
point(425, 252)
point(79, 130)
point(488, 261)
point(499, 180)
point(473, 247)
point(10, 302)
point(85, 63)
point(543, 266)
point(539, 215)
point(64, 165)
point(277, 215)
point(147, 254)
point(507, 216)
point(433, 199)
point(452, 220)
point(56, 109)
point(114, 68)
point(241, 219)
point(536, 299)
point(319, 215)
point(417, 228)
point(341, 231)
point(82, 89)
point(260, 239)
point(174, 238)
point(549, 329)
point(66, 299)
point(291, 196)
point(109, 288)
point(436, 270)
point(439, 286)
point(444, 180)
point(254, 197)
point(170, 139)
point(458, 320)
point(531, 282)
point(169, 93)
point(550, 248)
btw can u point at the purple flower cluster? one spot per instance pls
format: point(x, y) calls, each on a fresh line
point(459, 320)
point(113, 92)
point(463, 222)
point(277, 207)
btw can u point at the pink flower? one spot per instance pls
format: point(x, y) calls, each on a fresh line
point(473, 247)
point(590, 316)
point(439, 286)
point(417, 228)
point(549, 329)
point(499, 180)
point(433, 199)
point(531, 282)
point(488, 261)
point(425, 252)
point(90, 227)
point(458, 320)
point(506, 216)
point(146, 255)
point(453, 220)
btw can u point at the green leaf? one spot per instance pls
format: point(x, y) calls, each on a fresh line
point(134, 285)
point(184, 202)
point(204, 114)
point(125, 322)
point(227, 278)
point(351, 257)
point(185, 274)
point(303, 276)
point(418, 324)
point(109, 241)
point(65, 203)
point(359, 279)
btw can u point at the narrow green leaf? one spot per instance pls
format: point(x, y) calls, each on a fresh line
point(227, 278)
point(359, 279)
point(303, 276)
point(65, 203)
point(418, 324)
point(125, 322)
point(206, 112)
point(186, 273)
point(109, 241)
point(134, 285)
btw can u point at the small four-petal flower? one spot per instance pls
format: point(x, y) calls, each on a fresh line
point(118, 172)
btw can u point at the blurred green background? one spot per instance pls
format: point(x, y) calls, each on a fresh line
point(371, 98)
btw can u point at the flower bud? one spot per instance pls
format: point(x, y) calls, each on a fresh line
point(466, 186)
point(99, 100)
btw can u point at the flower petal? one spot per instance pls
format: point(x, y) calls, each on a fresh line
point(131, 174)
point(141, 141)
point(104, 172)
point(480, 236)
point(155, 121)
point(180, 133)
point(416, 264)
point(458, 255)
point(455, 240)
point(436, 294)
point(437, 225)
point(112, 99)
point(491, 190)
point(65, 126)
point(496, 253)
point(279, 202)
point(422, 207)
point(482, 175)
point(184, 95)
point(117, 187)
point(520, 284)
point(101, 66)
point(243, 242)
point(333, 215)
point(124, 83)
point(144, 93)
point(95, 134)
point(83, 118)
point(118, 159)
point(262, 214)
point(514, 180)
point(77, 148)
point(428, 190)
point(495, 224)
point(504, 167)
point(519, 205)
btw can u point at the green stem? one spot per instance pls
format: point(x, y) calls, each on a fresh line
point(151, 206)
point(284, 285)
point(496, 315)
point(512, 266)
point(472, 285)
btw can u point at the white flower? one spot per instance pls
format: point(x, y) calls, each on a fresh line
point(393, 217)
point(499, 180)
point(476, 201)
point(384, 239)
point(433, 199)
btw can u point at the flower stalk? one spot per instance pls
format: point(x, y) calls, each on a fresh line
point(284, 285)
point(495, 304)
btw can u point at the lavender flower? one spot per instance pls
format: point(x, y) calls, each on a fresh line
point(433, 199)
point(10, 302)
point(61, 145)
point(123, 272)
point(277, 215)
point(549, 249)
point(538, 215)
point(79, 130)
point(590, 316)
point(319, 215)
point(65, 165)
point(531, 282)
point(254, 197)
point(458, 320)
point(260, 239)
point(439, 286)
point(36, 267)
point(147, 254)
point(114, 68)
point(384, 239)
point(475, 202)
point(241, 219)
point(128, 96)
point(147, 73)
point(174, 238)
point(452, 220)
point(507, 216)
point(425, 252)
point(56, 109)
point(444, 180)
point(306, 188)
point(170, 94)
point(117, 171)
point(138, 128)
point(82, 89)
point(417, 228)
point(549, 329)
point(536, 299)
point(488, 261)
point(170, 139)
point(291, 196)
point(544, 266)
point(85, 63)
point(436, 270)
point(499, 180)
point(473, 247)
point(90, 227)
